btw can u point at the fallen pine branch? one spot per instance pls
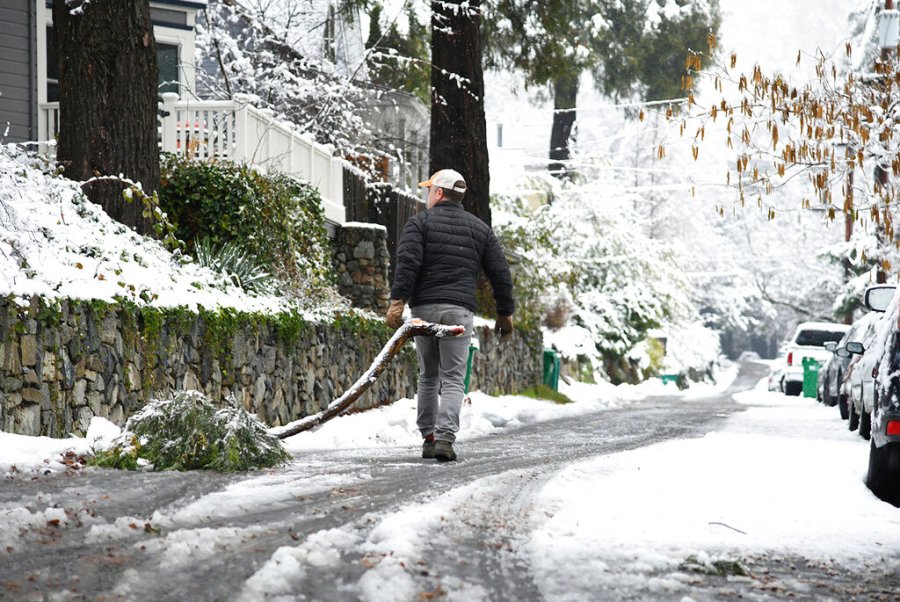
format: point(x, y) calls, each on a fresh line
point(410, 328)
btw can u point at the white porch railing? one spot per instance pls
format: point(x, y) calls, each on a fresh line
point(237, 131)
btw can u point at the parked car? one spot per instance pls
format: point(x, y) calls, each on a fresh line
point(859, 382)
point(883, 476)
point(808, 341)
point(748, 356)
point(823, 373)
point(776, 371)
point(832, 373)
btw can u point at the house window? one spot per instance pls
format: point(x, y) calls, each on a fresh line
point(52, 69)
point(162, 16)
point(167, 55)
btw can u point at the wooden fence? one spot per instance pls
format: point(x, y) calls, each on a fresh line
point(379, 203)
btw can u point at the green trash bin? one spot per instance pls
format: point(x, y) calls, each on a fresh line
point(668, 378)
point(551, 369)
point(810, 376)
point(468, 379)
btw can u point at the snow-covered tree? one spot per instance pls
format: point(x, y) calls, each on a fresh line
point(585, 257)
point(838, 133)
point(752, 278)
point(282, 55)
point(634, 50)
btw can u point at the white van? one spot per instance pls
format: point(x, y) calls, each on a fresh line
point(808, 341)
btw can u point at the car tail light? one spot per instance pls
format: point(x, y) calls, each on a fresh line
point(791, 358)
point(893, 427)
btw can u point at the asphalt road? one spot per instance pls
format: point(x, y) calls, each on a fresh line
point(128, 535)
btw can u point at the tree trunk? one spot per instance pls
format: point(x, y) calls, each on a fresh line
point(108, 78)
point(458, 130)
point(565, 93)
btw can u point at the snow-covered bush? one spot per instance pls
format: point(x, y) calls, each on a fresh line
point(188, 432)
point(616, 282)
point(692, 351)
point(275, 219)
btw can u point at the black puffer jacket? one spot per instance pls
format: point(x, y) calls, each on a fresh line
point(440, 254)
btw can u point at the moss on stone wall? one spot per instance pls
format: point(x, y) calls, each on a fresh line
point(63, 362)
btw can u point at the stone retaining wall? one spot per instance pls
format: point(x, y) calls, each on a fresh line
point(62, 363)
point(508, 367)
point(361, 263)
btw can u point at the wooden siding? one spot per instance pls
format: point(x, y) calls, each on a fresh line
point(18, 81)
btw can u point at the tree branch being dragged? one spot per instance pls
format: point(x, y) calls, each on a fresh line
point(410, 328)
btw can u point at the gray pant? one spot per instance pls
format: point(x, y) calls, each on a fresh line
point(442, 370)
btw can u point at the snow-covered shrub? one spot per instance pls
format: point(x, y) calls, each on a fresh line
point(692, 351)
point(276, 219)
point(188, 432)
point(620, 283)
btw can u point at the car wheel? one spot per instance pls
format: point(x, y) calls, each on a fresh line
point(854, 417)
point(865, 425)
point(794, 389)
point(842, 406)
point(832, 400)
point(883, 477)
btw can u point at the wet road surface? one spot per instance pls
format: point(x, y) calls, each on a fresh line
point(94, 534)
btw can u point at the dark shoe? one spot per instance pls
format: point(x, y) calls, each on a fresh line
point(443, 451)
point(428, 449)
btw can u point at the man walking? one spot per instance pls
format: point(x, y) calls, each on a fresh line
point(440, 253)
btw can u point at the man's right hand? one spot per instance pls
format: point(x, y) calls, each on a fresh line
point(394, 316)
point(503, 327)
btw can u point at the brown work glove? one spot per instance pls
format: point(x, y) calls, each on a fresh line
point(394, 316)
point(503, 327)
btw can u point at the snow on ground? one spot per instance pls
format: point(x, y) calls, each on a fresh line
point(21, 453)
point(56, 244)
point(783, 477)
point(393, 425)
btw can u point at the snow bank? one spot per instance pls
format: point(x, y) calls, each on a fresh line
point(21, 453)
point(56, 244)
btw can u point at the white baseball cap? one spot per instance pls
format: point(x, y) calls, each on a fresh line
point(446, 178)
